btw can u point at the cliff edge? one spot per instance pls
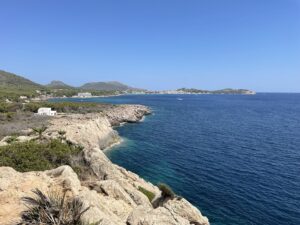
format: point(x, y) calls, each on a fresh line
point(112, 193)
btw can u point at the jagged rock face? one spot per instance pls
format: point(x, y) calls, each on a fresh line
point(15, 185)
point(109, 202)
point(159, 216)
point(127, 114)
point(185, 210)
point(112, 193)
point(89, 130)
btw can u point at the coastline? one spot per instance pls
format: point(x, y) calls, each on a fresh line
point(152, 93)
point(119, 201)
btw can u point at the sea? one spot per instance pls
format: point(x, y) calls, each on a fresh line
point(235, 157)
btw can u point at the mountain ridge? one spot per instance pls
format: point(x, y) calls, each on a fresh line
point(12, 80)
point(58, 85)
point(107, 86)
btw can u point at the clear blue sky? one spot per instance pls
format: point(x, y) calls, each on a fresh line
point(155, 44)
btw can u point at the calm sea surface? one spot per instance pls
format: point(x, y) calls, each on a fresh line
point(237, 158)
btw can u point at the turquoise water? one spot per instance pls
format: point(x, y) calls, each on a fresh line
point(237, 158)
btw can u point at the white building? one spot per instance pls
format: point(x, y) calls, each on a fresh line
point(84, 95)
point(46, 112)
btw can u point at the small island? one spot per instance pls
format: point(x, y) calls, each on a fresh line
point(227, 91)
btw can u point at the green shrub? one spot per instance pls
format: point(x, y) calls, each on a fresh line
point(60, 107)
point(166, 191)
point(10, 107)
point(11, 139)
point(150, 195)
point(10, 115)
point(35, 156)
point(39, 131)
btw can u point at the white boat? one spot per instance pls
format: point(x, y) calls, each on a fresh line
point(179, 99)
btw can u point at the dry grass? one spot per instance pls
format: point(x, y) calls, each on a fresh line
point(19, 123)
point(52, 209)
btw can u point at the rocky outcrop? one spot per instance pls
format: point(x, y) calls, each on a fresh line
point(112, 193)
point(88, 130)
point(15, 185)
point(126, 114)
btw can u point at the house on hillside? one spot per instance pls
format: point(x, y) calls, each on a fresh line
point(84, 95)
point(46, 112)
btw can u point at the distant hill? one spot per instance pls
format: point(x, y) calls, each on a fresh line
point(10, 80)
point(56, 84)
point(108, 86)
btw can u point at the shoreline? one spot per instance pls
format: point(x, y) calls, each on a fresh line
point(113, 193)
point(125, 94)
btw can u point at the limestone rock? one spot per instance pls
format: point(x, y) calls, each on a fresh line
point(127, 114)
point(111, 192)
point(112, 189)
point(15, 185)
point(186, 210)
point(88, 130)
point(99, 164)
point(99, 210)
point(159, 216)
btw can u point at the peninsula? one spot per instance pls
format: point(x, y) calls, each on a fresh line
point(62, 155)
point(62, 151)
point(112, 195)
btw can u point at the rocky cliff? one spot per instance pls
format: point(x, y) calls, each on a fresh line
point(112, 193)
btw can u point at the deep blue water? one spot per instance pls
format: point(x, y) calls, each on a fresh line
point(237, 158)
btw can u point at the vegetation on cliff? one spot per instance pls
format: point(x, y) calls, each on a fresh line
point(53, 209)
point(38, 155)
point(150, 195)
point(17, 117)
point(66, 107)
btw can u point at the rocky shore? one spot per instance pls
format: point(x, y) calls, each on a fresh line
point(111, 192)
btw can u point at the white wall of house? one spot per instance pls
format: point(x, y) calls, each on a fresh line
point(46, 112)
point(84, 95)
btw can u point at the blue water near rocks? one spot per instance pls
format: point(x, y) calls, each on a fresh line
point(236, 157)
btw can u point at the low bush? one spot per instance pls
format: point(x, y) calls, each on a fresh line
point(37, 156)
point(39, 131)
point(150, 195)
point(52, 209)
point(11, 139)
point(166, 191)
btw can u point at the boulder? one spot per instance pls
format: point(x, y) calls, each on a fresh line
point(183, 208)
point(160, 216)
